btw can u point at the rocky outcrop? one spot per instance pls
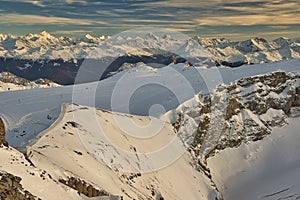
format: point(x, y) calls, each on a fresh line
point(7, 77)
point(2, 134)
point(245, 110)
point(83, 187)
point(11, 188)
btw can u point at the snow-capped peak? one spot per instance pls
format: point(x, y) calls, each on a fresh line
point(88, 36)
point(45, 33)
point(44, 46)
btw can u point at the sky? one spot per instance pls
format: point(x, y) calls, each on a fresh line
point(234, 19)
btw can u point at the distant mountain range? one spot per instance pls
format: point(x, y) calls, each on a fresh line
point(43, 55)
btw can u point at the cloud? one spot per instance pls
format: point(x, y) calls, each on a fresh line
point(156, 21)
point(234, 12)
point(179, 3)
point(279, 27)
point(181, 29)
point(34, 2)
point(271, 34)
point(70, 32)
point(76, 1)
point(38, 19)
point(268, 7)
point(193, 16)
point(205, 4)
point(247, 20)
point(222, 35)
point(280, 33)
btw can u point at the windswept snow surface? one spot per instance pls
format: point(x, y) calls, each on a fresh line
point(266, 169)
point(136, 91)
point(35, 180)
point(102, 163)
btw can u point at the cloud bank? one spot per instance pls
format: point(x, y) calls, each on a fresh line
point(243, 18)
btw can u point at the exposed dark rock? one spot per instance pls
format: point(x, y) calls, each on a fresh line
point(78, 152)
point(83, 187)
point(11, 188)
point(257, 106)
point(233, 64)
point(73, 124)
point(7, 77)
point(296, 101)
point(177, 124)
point(233, 108)
point(274, 79)
point(2, 134)
point(232, 114)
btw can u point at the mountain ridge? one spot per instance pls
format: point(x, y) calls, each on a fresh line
point(58, 59)
point(44, 46)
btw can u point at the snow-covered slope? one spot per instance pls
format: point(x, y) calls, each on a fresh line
point(10, 82)
point(35, 180)
point(244, 136)
point(100, 161)
point(266, 169)
point(106, 151)
point(28, 112)
point(102, 149)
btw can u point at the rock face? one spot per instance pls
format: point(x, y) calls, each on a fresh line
point(11, 188)
point(83, 187)
point(2, 134)
point(243, 111)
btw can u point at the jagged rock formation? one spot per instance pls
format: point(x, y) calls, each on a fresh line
point(243, 111)
point(83, 187)
point(9, 81)
point(11, 188)
point(2, 134)
point(7, 77)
